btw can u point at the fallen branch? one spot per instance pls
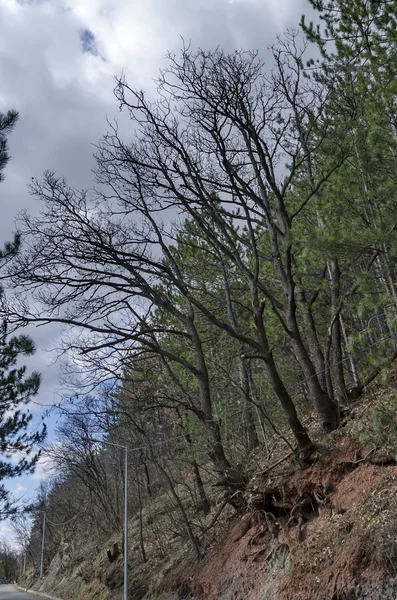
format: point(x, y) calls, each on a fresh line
point(276, 463)
point(219, 512)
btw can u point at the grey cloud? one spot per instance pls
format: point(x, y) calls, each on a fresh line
point(43, 74)
point(58, 120)
point(238, 24)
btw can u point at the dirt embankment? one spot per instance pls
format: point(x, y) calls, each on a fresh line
point(324, 532)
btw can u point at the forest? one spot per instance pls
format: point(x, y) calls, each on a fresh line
point(227, 287)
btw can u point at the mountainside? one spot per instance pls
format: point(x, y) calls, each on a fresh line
point(320, 532)
point(227, 297)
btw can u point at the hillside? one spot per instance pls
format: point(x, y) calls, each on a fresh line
point(226, 297)
point(321, 532)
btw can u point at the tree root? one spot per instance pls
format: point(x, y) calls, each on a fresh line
point(281, 515)
point(255, 537)
point(256, 555)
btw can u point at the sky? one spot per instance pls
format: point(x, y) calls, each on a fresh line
point(57, 63)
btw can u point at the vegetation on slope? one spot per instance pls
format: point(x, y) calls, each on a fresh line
point(228, 289)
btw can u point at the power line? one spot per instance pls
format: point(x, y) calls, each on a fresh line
point(183, 436)
point(66, 522)
point(289, 388)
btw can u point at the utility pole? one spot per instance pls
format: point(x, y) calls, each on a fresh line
point(42, 547)
point(125, 448)
point(125, 523)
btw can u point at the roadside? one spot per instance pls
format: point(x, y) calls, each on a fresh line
point(36, 593)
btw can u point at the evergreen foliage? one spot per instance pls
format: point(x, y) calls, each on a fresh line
point(16, 388)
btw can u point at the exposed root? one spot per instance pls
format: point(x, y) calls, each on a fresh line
point(256, 555)
point(242, 527)
point(282, 510)
point(254, 538)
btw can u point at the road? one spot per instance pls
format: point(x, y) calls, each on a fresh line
point(10, 592)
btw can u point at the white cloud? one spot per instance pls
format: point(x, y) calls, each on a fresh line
point(6, 533)
point(20, 490)
point(44, 468)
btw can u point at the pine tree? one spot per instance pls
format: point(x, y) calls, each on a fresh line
point(7, 124)
point(357, 41)
point(16, 389)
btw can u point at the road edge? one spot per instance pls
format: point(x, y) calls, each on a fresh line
point(36, 593)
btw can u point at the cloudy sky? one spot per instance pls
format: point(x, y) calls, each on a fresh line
point(57, 60)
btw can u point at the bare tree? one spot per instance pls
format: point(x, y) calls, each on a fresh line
point(224, 145)
point(226, 140)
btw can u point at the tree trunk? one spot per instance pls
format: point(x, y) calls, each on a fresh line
point(211, 426)
point(326, 409)
point(337, 363)
point(389, 270)
point(204, 502)
point(328, 379)
point(251, 434)
point(147, 478)
point(353, 369)
point(336, 356)
point(299, 432)
point(141, 538)
point(312, 337)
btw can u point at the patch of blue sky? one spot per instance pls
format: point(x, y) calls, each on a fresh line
point(88, 42)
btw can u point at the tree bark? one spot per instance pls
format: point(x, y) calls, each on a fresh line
point(217, 452)
point(204, 502)
point(312, 337)
point(287, 404)
point(336, 355)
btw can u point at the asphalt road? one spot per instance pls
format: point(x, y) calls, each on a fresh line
point(10, 592)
